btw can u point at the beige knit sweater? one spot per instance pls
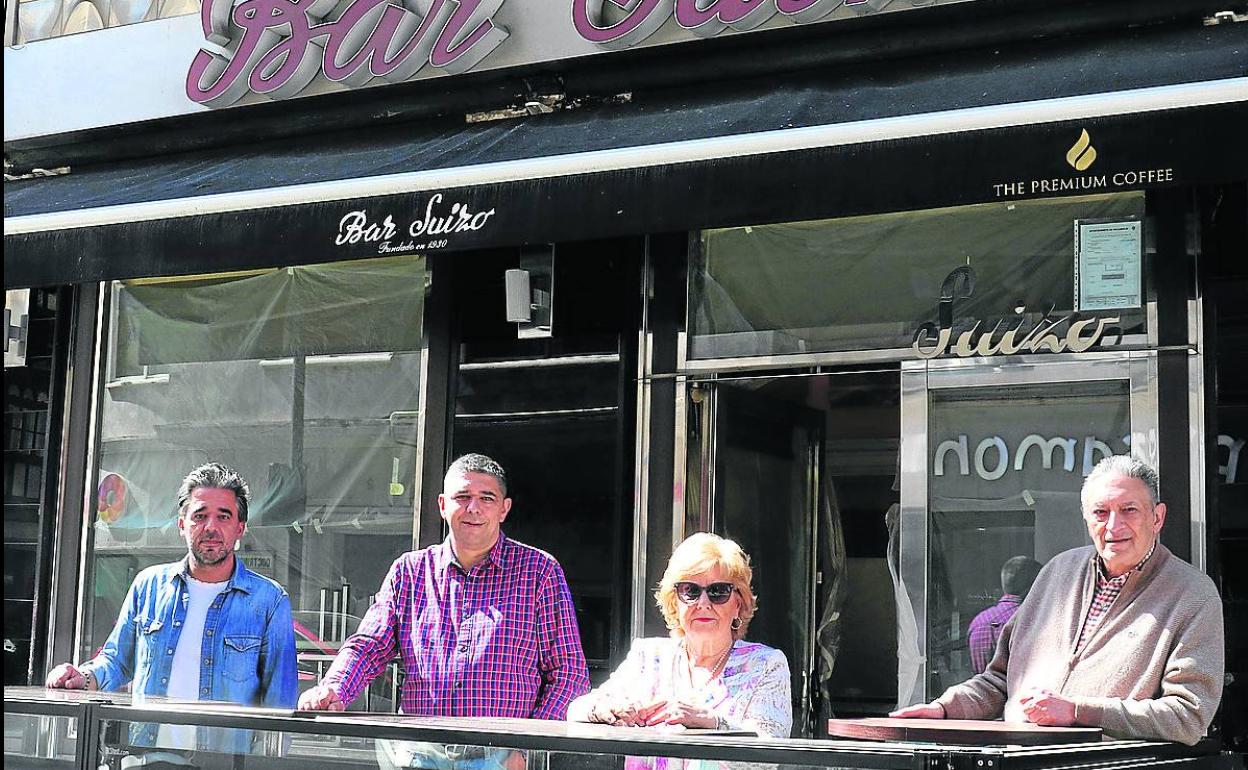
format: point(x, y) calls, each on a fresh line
point(1152, 669)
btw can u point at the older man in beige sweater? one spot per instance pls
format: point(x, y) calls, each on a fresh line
point(1122, 635)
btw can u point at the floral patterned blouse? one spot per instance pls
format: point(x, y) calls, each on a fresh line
point(751, 694)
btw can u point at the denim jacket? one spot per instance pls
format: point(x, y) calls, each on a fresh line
point(248, 650)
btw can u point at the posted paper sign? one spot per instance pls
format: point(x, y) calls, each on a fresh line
point(1108, 264)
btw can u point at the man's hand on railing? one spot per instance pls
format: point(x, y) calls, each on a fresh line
point(68, 677)
point(323, 697)
point(920, 711)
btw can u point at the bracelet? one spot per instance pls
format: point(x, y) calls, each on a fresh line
point(89, 675)
point(720, 723)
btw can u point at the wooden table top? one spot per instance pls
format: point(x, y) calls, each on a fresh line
point(960, 731)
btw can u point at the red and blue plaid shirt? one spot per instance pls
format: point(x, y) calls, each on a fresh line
point(985, 630)
point(499, 639)
point(1107, 590)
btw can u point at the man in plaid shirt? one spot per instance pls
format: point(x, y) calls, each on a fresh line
point(483, 625)
point(1017, 575)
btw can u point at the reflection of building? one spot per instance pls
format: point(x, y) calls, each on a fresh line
point(777, 278)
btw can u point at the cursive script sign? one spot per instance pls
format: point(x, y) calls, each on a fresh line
point(276, 47)
point(438, 222)
point(1070, 332)
point(618, 24)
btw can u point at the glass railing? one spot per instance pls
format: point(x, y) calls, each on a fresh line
point(92, 730)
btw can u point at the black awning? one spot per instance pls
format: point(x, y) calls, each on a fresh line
point(1160, 107)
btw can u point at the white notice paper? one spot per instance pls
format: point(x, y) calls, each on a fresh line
point(1108, 259)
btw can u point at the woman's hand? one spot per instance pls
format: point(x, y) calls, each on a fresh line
point(674, 712)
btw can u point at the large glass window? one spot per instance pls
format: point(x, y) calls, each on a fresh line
point(307, 381)
point(1006, 468)
point(870, 282)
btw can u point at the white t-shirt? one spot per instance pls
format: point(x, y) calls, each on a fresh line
point(184, 676)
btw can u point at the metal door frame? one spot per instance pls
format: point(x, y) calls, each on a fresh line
point(706, 519)
point(920, 378)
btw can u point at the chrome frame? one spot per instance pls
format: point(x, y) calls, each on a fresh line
point(710, 446)
point(680, 449)
point(1130, 342)
point(422, 411)
point(98, 373)
point(641, 468)
point(109, 352)
point(680, 472)
point(814, 487)
point(912, 517)
point(684, 403)
point(63, 584)
point(920, 378)
point(1197, 430)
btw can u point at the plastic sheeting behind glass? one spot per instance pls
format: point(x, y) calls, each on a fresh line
point(869, 282)
point(307, 381)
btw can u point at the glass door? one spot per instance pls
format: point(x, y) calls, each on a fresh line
point(760, 487)
point(993, 458)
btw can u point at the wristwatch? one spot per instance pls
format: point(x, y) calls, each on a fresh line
point(720, 723)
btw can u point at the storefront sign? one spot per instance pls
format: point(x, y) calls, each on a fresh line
point(1067, 333)
point(276, 47)
point(1081, 156)
point(616, 24)
point(439, 220)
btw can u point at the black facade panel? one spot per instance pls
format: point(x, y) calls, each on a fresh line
point(1146, 150)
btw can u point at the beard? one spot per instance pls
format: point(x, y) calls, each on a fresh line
point(207, 559)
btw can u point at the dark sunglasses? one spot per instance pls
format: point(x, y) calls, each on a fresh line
point(718, 593)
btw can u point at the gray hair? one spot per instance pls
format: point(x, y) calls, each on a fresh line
point(1125, 465)
point(479, 463)
point(215, 476)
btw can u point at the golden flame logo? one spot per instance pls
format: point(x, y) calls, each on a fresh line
point(1082, 155)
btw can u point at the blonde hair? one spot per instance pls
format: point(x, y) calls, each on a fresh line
point(700, 553)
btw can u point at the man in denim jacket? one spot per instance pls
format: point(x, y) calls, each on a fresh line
point(201, 628)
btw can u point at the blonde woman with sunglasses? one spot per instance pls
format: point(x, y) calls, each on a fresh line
point(704, 675)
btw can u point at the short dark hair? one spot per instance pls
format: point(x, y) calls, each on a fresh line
point(215, 476)
point(479, 463)
point(1018, 573)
